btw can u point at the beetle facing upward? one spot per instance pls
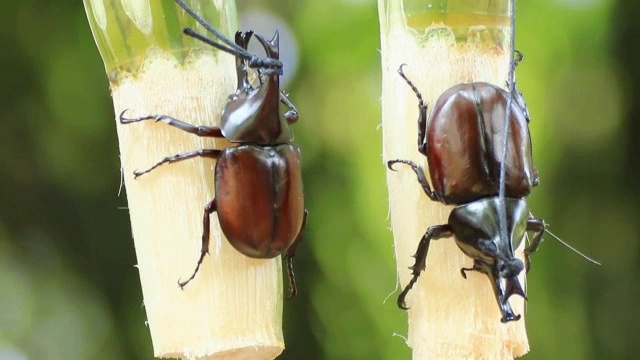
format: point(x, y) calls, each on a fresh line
point(462, 142)
point(259, 197)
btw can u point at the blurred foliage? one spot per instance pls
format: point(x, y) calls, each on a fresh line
point(69, 286)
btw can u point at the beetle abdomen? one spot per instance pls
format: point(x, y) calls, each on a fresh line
point(259, 198)
point(465, 136)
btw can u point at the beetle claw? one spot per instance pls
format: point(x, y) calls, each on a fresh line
point(181, 284)
point(401, 302)
point(121, 117)
point(400, 71)
point(292, 293)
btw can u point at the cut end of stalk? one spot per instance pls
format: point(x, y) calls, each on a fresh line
point(449, 317)
point(239, 353)
point(233, 307)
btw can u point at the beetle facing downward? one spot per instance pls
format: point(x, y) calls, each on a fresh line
point(462, 143)
point(259, 196)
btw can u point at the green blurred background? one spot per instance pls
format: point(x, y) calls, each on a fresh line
point(68, 286)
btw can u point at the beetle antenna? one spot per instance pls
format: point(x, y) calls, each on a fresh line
point(206, 25)
point(255, 61)
point(502, 213)
point(572, 248)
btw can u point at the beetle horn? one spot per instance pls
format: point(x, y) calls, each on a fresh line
point(242, 40)
point(509, 270)
point(512, 287)
point(271, 47)
point(502, 291)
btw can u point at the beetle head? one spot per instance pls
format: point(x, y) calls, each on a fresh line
point(476, 230)
point(252, 114)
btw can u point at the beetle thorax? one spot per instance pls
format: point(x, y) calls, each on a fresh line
point(477, 232)
point(254, 116)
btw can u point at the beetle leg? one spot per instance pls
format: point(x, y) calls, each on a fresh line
point(292, 113)
point(463, 271)
point(209, 153)
point(422, 117)
point(288, 256)
point(535, 178)
point(422, 128)
point(422, 179)
point(204, 250)
point(433, 232)
point(536, 225)
point(207, 131)
point(519, 56)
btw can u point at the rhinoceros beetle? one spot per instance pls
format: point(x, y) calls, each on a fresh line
point(259, 195)
point(463, 144)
